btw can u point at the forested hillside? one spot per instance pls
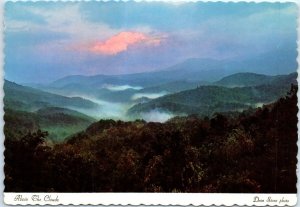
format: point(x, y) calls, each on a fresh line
point(58, 122)
point(24, 98)
point(209, 99)
point(255, 152)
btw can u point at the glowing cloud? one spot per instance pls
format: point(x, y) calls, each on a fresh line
point(120, 42)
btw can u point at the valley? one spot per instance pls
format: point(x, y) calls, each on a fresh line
point(88, 100)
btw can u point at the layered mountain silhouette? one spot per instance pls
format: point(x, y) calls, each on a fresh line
point(194, 86)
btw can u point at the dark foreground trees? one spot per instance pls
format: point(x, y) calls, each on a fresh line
point(254, 152)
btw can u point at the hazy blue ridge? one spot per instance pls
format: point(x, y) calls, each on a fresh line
point(194, 70)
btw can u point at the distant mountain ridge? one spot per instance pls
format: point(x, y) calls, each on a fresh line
point(194, 70)
point(185, 75)
point(253, 79)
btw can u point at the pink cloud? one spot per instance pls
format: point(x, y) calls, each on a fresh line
point(120, 42)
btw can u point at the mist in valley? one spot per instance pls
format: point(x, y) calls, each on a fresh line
point(157, 115)
point(118, 110)
point(148, 95)
point(121, 87)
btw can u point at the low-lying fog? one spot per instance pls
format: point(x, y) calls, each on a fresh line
point(111, 110)
point(148, 95)
point(121, 87)
point(118, 110)
point(156, 115)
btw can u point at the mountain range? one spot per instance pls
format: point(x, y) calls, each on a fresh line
point(234, 92)
point(192, 70)
point(195, 86)
point(185, 75)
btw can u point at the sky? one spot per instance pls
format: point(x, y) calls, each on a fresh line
point(45, 41)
